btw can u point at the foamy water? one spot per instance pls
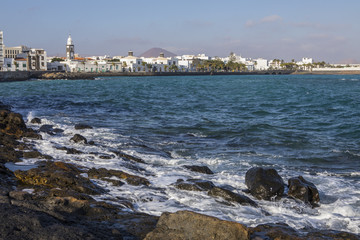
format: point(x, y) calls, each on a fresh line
point(299, 125)
point(339, 208)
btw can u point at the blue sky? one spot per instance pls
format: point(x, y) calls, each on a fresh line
point(324, 30)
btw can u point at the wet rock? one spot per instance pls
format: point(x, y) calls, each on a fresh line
point(58, 175)
point(36, 121)
point(200, 169)
point(49, 129)
point(264, 183)
point(283, 231)
point(70, 150)
point(190, 225)
point(305, 191)
point(12, 123)
point(81, 126)
point(32, 134)
point(194, 185)
point(231, 196)
point(36, 154)
point(8, 154)
point(77, 138)
point(105, 173)
point(128, 157)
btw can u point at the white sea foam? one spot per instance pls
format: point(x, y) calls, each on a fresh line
point(339, 208)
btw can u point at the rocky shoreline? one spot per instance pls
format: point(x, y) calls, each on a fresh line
point(56, 200)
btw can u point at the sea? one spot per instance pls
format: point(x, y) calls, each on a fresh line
point(300, 125)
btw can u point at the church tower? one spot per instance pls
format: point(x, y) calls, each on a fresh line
point(70, 50)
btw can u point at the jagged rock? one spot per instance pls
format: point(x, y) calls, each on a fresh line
point(77, 138)
point(8, 154)
point(231, 196)
point(195, 226)
point(49, 129)
point(36, 121)
point(12, 123)
point(283, 231)
point(81, 126)
point(264, 183)
point(70, 150)
point(128, 157)
point(101, 173)
point(200, 169)
point(194, 185)
point(36, 154)
point(58, 175)
point(305, 191)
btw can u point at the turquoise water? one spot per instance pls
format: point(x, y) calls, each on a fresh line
point(299, 125)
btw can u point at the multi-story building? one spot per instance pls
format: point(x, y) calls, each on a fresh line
point(1, 51)
point(36, 59)
point(12, 52)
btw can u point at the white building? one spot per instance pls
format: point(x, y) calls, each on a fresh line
point(261, 64)
point(70, 49)
point(160, 64)
point(131, 63)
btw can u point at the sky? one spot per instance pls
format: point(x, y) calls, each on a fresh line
point(325, 30)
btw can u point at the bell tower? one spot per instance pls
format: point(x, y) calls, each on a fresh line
point(70, 50)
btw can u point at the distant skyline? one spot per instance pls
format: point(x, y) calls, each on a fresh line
point(322, 29)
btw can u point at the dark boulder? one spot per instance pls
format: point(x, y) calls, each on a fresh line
point(36, 154)
point(191, 225)
point(264, 183)
point(81, 126)
point(200, 169)
point(305, 191)
point(49, 129)
point(101, 173)
point(231, 196)
point(77, 138)
point(36, 121)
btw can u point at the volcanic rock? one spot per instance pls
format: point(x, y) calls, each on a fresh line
point(194, 185)
point(58, 175)
point(264, 183)
point(200, 169)
point(77, 138)
point(81, 126)
point(191, 225)
point(305, 191)
point(231, 196)
point(36, 121)
point(101, 173)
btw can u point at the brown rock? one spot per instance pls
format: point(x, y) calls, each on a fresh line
point(195, 226)
point(58, 175)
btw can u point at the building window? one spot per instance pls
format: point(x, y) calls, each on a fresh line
point(24, 65)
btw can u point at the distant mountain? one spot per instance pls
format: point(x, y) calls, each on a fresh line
point(155, 52)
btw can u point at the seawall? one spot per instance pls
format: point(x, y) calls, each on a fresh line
point(27, 75)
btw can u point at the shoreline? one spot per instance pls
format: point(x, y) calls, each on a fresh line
point(61, 199)
point(52, 75)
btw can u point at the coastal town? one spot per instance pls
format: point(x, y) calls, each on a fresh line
point(23, 58)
